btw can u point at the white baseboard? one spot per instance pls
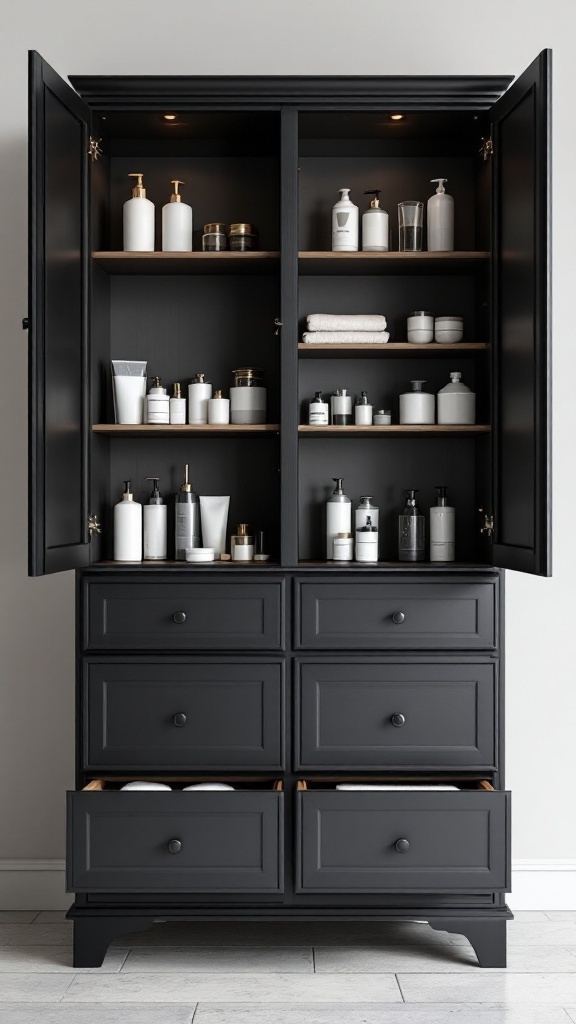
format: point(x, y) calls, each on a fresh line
point(33, 885)
point(39, 885)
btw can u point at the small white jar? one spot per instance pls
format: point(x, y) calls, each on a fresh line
point(417, 406)
point(448, 329)
point(343, 547)
point(421, 327)
point(382, 418)
point(218, 409)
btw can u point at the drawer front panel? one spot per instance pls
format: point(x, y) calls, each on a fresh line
point(185, 616)
point(230, 842)
point(395, 713)
point(457, 841)
point(159, 714)
point(395, 616)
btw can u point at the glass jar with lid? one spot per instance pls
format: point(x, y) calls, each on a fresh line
point(243, 238)
point(214, 237)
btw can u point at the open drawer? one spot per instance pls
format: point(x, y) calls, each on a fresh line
point(178, 841)
point(402, 840)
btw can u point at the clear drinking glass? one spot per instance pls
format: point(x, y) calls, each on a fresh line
point(410, 226)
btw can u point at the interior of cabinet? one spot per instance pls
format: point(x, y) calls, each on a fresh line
point(366, 150)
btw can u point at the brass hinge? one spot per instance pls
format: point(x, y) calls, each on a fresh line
point(487, 526)
point(278, 325)
point(487, 148)
point(94, 150)
point(94, 525)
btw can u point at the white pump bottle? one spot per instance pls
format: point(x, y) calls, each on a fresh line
point(176, 223)
point(138, 216)
point(338, 516)
point(440, 219)
point(127, 528)
point(344, 224)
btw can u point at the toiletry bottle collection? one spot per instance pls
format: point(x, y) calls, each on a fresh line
point(200, 528)
point(376, 229)
point(454, 404)
point(343, 545)
point(177, 223)
point(247, 402)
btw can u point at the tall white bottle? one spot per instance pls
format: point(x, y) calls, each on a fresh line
point(176, 223)
point(155, 524)
point(375, 228)
point(127, 528)
point(138, 215)
point(338, 516)
point(442, 529)
point(440, 217)
point(344, 224)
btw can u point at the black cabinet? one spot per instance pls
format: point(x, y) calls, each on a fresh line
point(288, 677)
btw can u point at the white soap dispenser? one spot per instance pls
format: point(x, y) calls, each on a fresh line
point(155, 524)
point(344, 224)
point(338, 516)
point(127, 528)
point(375, 229)
point(440, 219)
point(176, 223)
point(456, 402)
point(138, 216)
point(442, 529)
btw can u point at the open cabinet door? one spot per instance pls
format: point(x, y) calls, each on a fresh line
point(58, 323)
point(521, 322)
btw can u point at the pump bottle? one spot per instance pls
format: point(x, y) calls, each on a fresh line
point(344, 224)
point(375, 230)
point(176, 223)
point(365, 509)
point(440, 219)
point(318, 411)
point(363, 411)
point(338, 516)
point(411, 531)
point(127, 528)
point(155, 524)
point(138, 217)
point(177, 405)
point(157, 403)
point(442, 529)
point(187, 519)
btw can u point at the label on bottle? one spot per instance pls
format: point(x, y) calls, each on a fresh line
point(318, 415)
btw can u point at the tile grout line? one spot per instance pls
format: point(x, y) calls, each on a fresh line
point(313, 960)
point(194, 1012)
point(66, 990)
point(400, 987)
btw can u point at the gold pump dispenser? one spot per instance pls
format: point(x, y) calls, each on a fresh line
point(176, 197)
point(138, 192)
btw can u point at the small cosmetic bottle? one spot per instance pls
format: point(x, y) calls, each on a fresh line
point(199, 391)
point(318, 411)
point(157, 403)
point(363, 411)
point(177, 406)
point(218, 409)
point(341, 406)
point(343, 550)
point(382, 418)
point(242, 544)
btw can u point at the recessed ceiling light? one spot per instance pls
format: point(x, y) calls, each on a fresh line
point(169, 117)
point(396, 117)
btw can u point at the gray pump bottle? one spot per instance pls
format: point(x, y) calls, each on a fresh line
point(187, 519)
point(411, 531)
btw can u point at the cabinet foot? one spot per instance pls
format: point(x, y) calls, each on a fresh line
point(93, 936)
point(488, 938)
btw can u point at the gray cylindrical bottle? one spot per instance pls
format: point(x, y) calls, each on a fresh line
point(411, 531)
point(187, 524)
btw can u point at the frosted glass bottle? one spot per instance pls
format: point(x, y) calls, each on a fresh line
point(138, 219)
point(176, 223)
point(338, 516)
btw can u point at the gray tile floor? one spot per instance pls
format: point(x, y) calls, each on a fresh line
point(288, 974)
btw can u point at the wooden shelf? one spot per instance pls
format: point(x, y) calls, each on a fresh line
point(391, 262)
point(188, 262)
point(391, 348)
point(396, 430)
point(183, 430)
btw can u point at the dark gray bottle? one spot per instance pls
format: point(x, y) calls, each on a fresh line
point(187, 519)
point(411, 531)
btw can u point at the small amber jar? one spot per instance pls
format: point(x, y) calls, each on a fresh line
point(243, 238)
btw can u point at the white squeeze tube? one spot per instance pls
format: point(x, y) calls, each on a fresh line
point(129, 390)
point(214, 520)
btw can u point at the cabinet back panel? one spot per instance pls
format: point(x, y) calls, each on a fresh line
point(246, 468)
point(185, 325)
point(398, 178)
point(227, 189)
point(383, 467)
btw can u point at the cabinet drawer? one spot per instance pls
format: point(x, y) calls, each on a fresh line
point(167, 615)
point(457, 841)
point(395, 713)
point(395, 616)
point(195, 714)
point(230, 842)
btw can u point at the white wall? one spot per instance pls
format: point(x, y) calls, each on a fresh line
point(323, 37)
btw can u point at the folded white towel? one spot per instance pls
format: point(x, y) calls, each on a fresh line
point(208, 785)
point(368, 787)
point(346, 322)
point(345, 337)
point(146, 785)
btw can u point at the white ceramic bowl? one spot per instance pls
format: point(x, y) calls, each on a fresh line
point(447, 337)
point(448, 329)
point(420, 336)
point(199, 554)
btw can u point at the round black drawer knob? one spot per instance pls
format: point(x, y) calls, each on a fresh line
point(179, 719)
point(402, 845)
point(398, 617)
point(398, 720)
point(175, 846)
point(179, 618)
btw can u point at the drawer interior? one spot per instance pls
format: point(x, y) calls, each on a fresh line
point(179, 782)
point(329, 784)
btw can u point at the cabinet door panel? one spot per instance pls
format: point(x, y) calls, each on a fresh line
point(58, 318)
point(521, 322)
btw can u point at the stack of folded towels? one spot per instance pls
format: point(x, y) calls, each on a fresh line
point(345, 329)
